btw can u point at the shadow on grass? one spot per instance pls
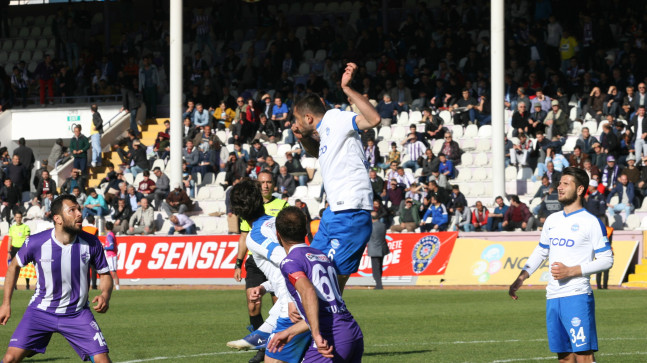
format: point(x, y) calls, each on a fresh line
point(53, 359)
point(391, 353)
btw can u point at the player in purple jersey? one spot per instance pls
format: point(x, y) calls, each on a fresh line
point(62, 257)
point(312, 281)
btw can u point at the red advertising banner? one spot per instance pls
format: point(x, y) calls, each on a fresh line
point(413, 254)
point(168, 257)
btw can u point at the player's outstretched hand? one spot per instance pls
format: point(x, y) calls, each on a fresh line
point(102, 304)
point(278, 341)
point(349, 73)
point(237, 275)
point(5, 314)
point(514, 287)
point(323, 347)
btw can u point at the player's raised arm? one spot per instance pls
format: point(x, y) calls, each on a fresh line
point(9, 286)
point(368, 116)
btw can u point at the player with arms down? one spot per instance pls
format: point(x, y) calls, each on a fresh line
point(311, 279)
point(62, 257)
point(333, 136)
point(570, 240)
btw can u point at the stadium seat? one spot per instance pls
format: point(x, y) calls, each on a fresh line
point(415, 116)
point(471, 131)
point(203, 194)
point(577, 129)
point(403, 118)
point(447, 117)
point(284, 8)
point(220, 178)
point(7, 44)
point(295, 8)
point(26, 54)
point(468, 145)
point(572, 115)
point(371, 67)
point(385, 134)
point(437, 147)
point(477, 189)
point(484, 144)
point(282, 149)
point(592, 126)
point(457, 131)
point(271, 148)
point(480, 174)
point(301, 192)
point(304, 69)
point(633, 222)
point(599, 130)
point(524, 174)
point(308, 163)
point(18, 45)
point(38, 55)
point(35, 32)
point(320, 56)
point(23, 33)
point(398, 133)
point(308, 55)
point(346, 6)
point(208, 179)
point(129, 178)
point(47, 32)
point(482, 159)
point(485, 131)
point(569, 145)
point(320, 8)
point(534, 203)
point(3, 56)
point(643, 224)
point(510, 173)
point(333, 7)
point(316, 178)
point(467, 159)
point(30, 45)
point(14, 57)
point(464, 175)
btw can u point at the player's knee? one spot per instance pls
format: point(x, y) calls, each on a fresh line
point(10, 358)
point(101, 358)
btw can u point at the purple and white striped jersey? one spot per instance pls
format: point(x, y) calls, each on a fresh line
point(63, 270)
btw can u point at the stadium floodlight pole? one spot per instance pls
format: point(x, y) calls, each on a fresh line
point(497, 58)
point(175, 103)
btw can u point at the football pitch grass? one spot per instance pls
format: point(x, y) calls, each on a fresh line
point(399, 325)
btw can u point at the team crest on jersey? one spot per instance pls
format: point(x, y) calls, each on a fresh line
point(85, 257)
point(575, 227)
point(576, 321)
point(424, 252)
point(313, 257)
point(334, 243)
point(327, 131)
point(94, 325)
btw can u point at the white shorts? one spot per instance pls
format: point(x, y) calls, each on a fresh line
point(112, 263)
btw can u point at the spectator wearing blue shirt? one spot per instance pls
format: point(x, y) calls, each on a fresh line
point(439, 217)
point(495, 220)
point(200, 116)
point(446, 167)
point(280, 114)
point(387, 110)
point(624, 189)
point(94, 205)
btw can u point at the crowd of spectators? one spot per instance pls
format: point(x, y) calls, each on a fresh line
point(567, 64)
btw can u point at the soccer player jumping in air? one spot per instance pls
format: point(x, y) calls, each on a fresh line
point(570, 240)
point(333, 136)
point(311, 279)
point(62, 256)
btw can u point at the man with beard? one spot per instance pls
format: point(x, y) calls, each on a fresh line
point(576, 245)
point(63, 256)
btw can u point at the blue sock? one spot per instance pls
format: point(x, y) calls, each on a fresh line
point(91, 359)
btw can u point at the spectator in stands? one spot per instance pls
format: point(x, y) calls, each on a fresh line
point(439, 217)
point(267, 131)
point(549, 205)
point(464, 109)
point(599, 158)
point(191, 155)
point(520, 119)
point(393, 157)
point(76, 192)
point(181, 224)
point(162, 187)
point(433, 188)
point(395, 194)
point(429, 165)
point(38, 175)
point(223, 116)
point(591, 170)
point(594, 201)
point(495, 220)
point(11, 198)
point(517, 216)
point(142, 221)
point(480, 215)
point(74, 180)
point(639, 124)
point(365, 135)
point(610, 174)
point(20, 85)
point(45, 73)
point(372, 153)
point(609, 141)
point(280, 113)
point(121, 216)
point(96, 129)
point(434, 129)
point(94, 205)
point(446, 167)
point(45, 185)
point(462, 219)
point(536, 119)
point(577, 158)
point(18, 174)
point(130, 102)
point(147, 187)
point(79, 146)
point(177, 201)
point(594, 104)
point(585, 141)
point(148, 83)
point(139, 161)
point(401, 94)
point(57, 155)
point(543, 190)
point(200, 117)
point(240, 152)
point(556, 121)
point(234, 168)
point(295, 169)
point(377, 184)
point(451, 149)
point(271, 166)
point(127, 141)
point(559, 161)
point(520, 152)
point(387, 110)
point(415, 150)
point(624, 190)
point(26, 155)
point(285, 182)
point(189, 131)
point(631, 171)
point(188, 182)
point(258, 151)
point(409, 216)
point(133, 197)
point(455, 197)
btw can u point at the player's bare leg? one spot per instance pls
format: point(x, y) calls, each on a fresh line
point(342, 280)
point(580, 357)
point(101, 358)
point(14, 354)
point(115, 278)
point(272, 360)
point(253, 308)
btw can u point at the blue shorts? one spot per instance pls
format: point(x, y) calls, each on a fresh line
point(80, 329)
point(570, 322)
point(343, 236)
point(293, 351)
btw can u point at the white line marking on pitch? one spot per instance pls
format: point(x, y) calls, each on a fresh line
point(186, 356)
point(553, 357)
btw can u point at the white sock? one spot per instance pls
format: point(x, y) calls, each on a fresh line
point(116, 287)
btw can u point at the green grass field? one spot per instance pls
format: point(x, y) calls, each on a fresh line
point(399, 326)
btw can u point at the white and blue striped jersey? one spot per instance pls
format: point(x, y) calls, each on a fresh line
point(572, 239)
point(268, 254)
point(344, 168)
point(62, 270)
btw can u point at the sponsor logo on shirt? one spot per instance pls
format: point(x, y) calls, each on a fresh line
point(576, 321)
point(424, 252)
point(562, 242)
point(334, 243)
point(314, 257)
point(575, 227)
point(322, 150)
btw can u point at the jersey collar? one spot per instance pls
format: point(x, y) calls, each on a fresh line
point(577, 211)
point(300, 245)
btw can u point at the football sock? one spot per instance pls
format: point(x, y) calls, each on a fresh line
point(116, 287)
point(256, 321)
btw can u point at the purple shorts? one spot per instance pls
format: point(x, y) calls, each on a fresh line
point(348, 352)
point(80, 329)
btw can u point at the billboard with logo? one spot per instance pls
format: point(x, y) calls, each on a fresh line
point(413, 254)
point(483, 262)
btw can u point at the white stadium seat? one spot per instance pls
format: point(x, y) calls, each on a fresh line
point(471, 131)
point(485, 131)
point(466, 159)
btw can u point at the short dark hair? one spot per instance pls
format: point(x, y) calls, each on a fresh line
point(90, 219)
point(21, 141)
point(91, 190)
point(109, 226)
point(146, 173)
point(57, 204)
point(580, 176)
point(515, 198)
point(291, 225)
point(310, 103)
point(247, 200)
